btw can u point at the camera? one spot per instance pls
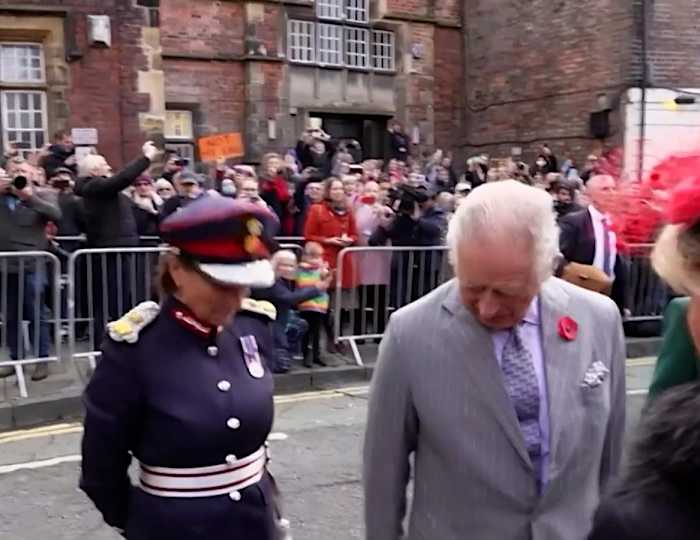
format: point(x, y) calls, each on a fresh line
point(182, 162)
point(407, 198)
point(19, 182)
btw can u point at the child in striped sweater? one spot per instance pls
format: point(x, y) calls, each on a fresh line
point(313, 271)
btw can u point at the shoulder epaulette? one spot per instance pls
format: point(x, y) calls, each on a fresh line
point(130, 325)
point(259, 307)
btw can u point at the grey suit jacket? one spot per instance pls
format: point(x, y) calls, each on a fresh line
point(24, 228)
point(438, 393)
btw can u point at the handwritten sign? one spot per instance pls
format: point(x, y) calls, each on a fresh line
point(223, 145)
point(84, 136)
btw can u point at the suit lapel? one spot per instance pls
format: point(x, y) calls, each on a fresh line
point(483, 370)
point(559, 360)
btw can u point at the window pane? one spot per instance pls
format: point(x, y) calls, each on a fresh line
point(356, 47)
point(383, 50)
point(329, 9)
point(24, 118)
point(21, 63)
point(357, 10)
point(301, 41)
point(330, 37)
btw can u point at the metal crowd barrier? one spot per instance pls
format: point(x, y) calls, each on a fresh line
point(30, 329)
point(384, 279)
point(646, 295)
point(103, 284)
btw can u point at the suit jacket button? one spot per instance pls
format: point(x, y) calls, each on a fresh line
point(235, 496)
point(224, 386)
point(233, 423)
point(213, 351)
point(231, 459)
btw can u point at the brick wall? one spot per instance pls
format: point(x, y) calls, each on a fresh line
point(215, 90)
point(534, 71)
point(202, 27)
point(102, 82)
point(449, 87)
point(674, 43)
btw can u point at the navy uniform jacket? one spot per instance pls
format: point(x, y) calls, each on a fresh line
point(159, 399)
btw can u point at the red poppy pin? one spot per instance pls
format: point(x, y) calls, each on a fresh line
point(568, 328)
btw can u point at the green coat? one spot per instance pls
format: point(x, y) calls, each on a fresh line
point(678, 361)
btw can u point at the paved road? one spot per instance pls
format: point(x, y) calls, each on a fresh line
point(316, 459)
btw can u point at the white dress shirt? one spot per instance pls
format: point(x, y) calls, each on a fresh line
point(531, 334)
point(599, 231)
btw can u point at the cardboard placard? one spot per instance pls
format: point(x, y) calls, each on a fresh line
point(223, 145)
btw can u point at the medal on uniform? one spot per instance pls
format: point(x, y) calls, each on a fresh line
point(251, 355)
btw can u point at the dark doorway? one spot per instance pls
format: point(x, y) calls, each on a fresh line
point(369, 131)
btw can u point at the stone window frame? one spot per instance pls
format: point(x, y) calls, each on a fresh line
point(30, 90)
point(301, 41)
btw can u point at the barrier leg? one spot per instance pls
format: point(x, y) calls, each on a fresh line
point(21, 382)
point(356, 353)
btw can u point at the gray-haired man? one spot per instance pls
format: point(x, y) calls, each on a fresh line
point(507, 386)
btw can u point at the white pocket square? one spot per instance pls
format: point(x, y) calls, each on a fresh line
point(595, 375)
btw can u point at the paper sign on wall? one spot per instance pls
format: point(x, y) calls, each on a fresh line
point(223, 145)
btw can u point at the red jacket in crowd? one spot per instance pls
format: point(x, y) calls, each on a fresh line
point(323, 223)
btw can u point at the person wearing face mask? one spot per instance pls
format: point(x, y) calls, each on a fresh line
point(184, 388)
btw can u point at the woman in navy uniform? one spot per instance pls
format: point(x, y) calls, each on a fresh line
point(184, 388)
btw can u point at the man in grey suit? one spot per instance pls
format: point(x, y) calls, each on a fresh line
point(506, 385)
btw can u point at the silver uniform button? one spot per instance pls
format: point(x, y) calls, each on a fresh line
point(224, 386)
point(231, 459)
point(233, 423)
point(213, 350)
point(235, 495)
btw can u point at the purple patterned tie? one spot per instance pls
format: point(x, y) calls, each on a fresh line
point(522, 388)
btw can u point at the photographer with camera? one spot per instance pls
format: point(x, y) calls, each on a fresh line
point(61, 154)
point(316, 149)
point(72, 222)
point(110, 222)
point(24, 214)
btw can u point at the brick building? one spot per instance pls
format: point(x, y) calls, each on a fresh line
point(466, 75)
point(189, 68)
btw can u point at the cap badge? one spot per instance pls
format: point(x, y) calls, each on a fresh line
point(251, 355)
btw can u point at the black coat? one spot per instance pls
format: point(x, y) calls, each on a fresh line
point(399, 145)
point(57, 159)
point(577, 244)
point(109, 213)
point(646, 517)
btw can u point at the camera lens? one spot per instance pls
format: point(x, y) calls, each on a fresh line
point(19, 182)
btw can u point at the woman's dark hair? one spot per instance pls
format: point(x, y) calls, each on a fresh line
point(666, 452)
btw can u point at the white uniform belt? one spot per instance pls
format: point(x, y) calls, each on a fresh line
point(204, 481)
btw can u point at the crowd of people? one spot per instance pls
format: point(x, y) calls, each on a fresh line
point(322, 191)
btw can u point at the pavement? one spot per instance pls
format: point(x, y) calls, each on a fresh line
point(316, 458)
point(59, 397)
